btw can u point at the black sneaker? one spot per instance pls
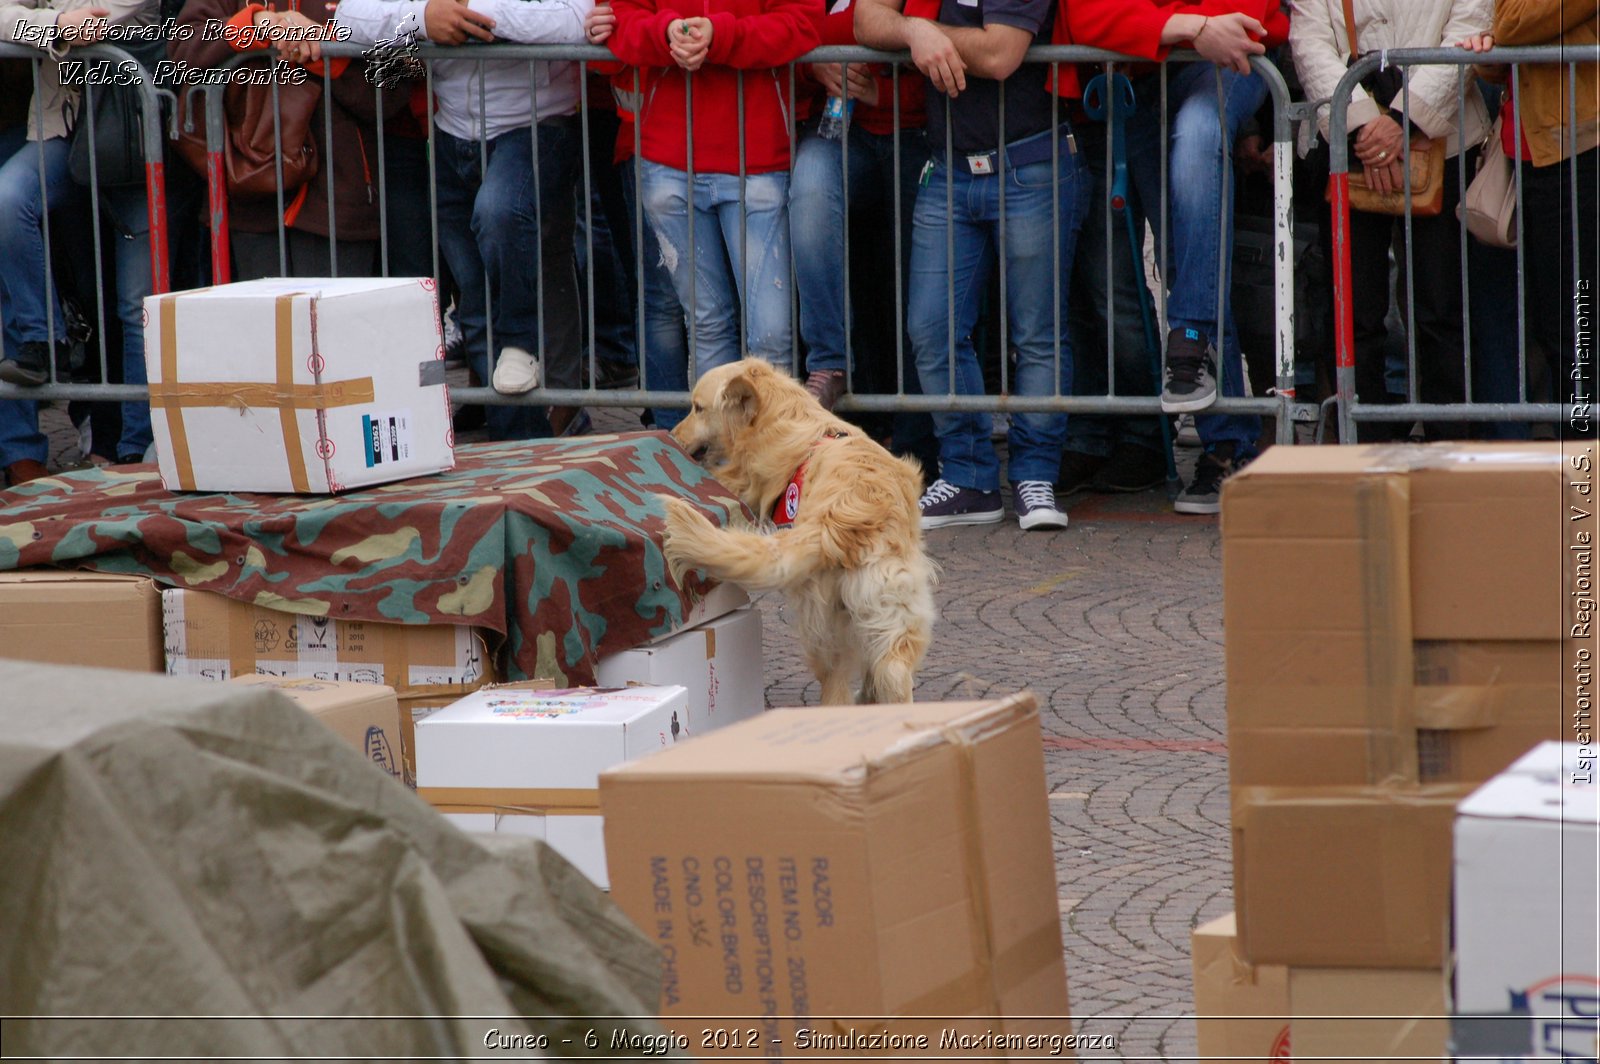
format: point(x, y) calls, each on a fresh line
point(945, 504)
point(1035, 501)
point(1191, 373)
point(1077, 471)
point(1130, 468)
point(1204, 493)
point(30, 368)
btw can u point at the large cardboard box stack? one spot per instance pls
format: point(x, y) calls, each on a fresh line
point(1527, 900)
point(525, 759)
point(297, 384)
point(826, 868)
point(718, 664)
point(1394, 620)
point(58, 617)
point(365, 715)
point(217, 638)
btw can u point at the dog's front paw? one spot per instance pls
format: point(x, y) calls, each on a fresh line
point(683, 540)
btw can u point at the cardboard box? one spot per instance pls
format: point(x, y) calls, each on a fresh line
point(365, 715)
point(845, 864)
point(61, 617)
point(528, 762)
point(1344, 876)
point(718, 663)
point(1527, 891)
point(216, 638)
point(1241, 1009)
point(305, 385)
point(1392, 650)
point(1360, 1015)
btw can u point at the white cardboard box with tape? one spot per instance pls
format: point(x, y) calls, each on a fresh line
point(305, 385)
point(528, 762)
point(718, 663)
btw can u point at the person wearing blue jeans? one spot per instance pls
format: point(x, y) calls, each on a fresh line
point(1200, 231)
point(819, 190)
point(489, 224)
point(29, 302)
point(730, 283)
point(128, 213)
point(981, 160)
point(666, 344)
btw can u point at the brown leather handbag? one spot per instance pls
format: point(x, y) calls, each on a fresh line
point(1427, 164)
point(249, 147)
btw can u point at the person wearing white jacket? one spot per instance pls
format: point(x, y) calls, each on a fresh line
point(1429, 107)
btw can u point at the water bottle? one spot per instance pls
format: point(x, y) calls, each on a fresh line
point(835, 117)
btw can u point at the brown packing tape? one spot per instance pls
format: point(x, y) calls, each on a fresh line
point(169, 375)
point(711, 643)
point(523, 801)
point(284, 314)
point(396, 659)
point(1384, 512)
point(239, 630)
point(241, 394)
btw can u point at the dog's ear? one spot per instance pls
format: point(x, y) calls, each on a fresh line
point(740, 400)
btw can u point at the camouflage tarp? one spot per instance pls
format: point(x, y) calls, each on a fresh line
point(554, 544)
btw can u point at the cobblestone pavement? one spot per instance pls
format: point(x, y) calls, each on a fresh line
point(1116, 624)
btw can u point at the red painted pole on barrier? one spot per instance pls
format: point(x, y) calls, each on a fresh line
point(1344, 322)
point(155, 192)
point(217, 201)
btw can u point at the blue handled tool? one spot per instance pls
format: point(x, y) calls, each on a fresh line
point(1110, 99)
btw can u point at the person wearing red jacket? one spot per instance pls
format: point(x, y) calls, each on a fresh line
point(1206, 103)
point(704, 62)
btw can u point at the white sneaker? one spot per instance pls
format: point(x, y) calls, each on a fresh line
point(516, 372)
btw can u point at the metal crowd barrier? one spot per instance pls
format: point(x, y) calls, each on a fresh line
point(1352, 412)
point(206, 105)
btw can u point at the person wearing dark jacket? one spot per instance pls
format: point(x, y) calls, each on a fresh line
point(254, 221)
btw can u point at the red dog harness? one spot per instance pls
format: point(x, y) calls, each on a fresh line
point(788, 503)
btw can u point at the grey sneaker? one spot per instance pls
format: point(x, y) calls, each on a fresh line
point(945, 504)
point(1188, 434)
point(1036, 505)
point(1203, 495)
point(1191, 373)
point(826, 385)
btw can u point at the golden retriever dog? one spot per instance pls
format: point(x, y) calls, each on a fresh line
point(850, 561)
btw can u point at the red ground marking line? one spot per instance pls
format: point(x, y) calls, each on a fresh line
point(1191, 746)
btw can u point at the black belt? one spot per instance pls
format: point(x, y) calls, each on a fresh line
point(1025, 152)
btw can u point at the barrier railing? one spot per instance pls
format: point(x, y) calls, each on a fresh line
point(1353, 411)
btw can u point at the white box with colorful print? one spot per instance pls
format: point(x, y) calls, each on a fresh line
point(304, 385)
point(1527, 892)
point(528, 762)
